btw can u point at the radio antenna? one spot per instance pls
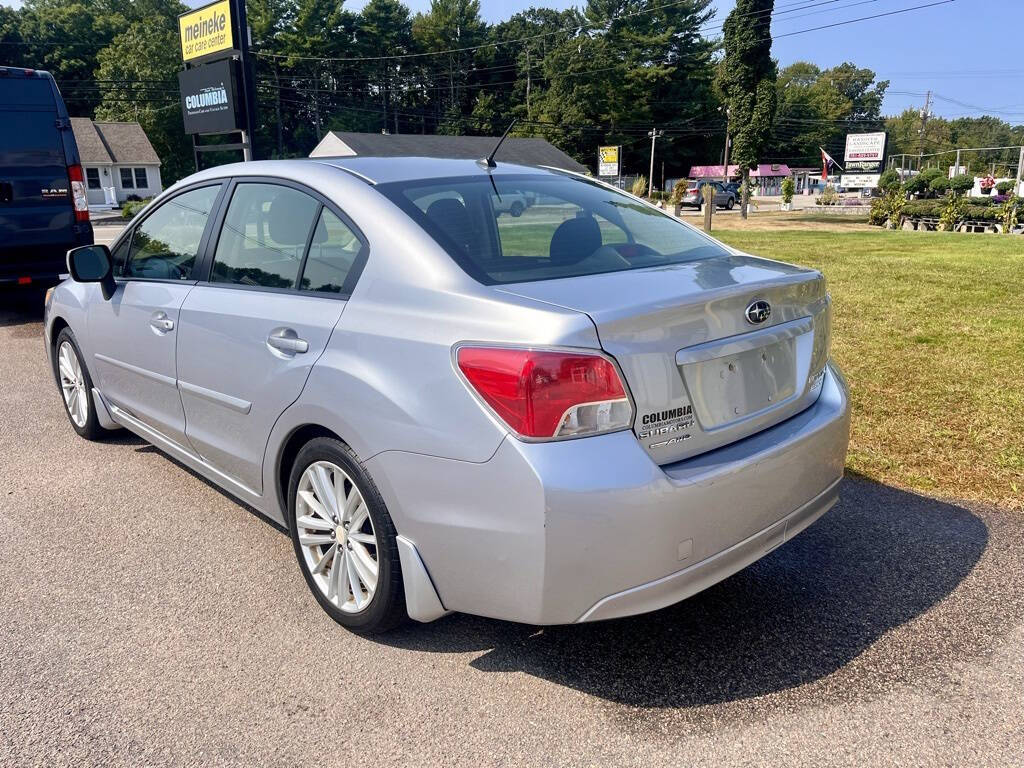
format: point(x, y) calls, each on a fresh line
point(488, 162)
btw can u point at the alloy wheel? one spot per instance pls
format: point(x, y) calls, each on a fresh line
point(337, 537)
point(72, 384)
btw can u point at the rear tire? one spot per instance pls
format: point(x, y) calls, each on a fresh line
point(517, 209)
point(730, 204)
point(75, 386)
point(344, 538)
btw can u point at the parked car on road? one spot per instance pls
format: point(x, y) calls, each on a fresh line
point(43, 208)
point(589, 411)
point(694, 197)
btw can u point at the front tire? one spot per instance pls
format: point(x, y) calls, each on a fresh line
point(344, 538)
point(75, 386)
point(730, 204)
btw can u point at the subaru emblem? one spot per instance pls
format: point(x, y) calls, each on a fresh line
point(758, 312)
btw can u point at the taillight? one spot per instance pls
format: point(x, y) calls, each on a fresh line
point(78, 196)
point(548, 394)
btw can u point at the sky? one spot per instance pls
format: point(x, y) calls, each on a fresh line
point(951, 48)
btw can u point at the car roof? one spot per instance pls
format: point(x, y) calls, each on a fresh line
point(381, 170)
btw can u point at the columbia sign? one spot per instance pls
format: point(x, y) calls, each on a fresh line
point(206, 30)
point(209, 97)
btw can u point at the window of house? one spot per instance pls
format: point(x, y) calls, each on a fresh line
point(92, 177)
point(140, 178)
point(126, 179)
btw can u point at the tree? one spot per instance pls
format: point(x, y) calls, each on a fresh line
point(817, 108)
point(137, 76)
point(747, 79)
point(385, 29)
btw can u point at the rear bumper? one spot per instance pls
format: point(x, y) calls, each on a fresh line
point(581, 530)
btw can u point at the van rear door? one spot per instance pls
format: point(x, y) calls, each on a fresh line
point(37, 216)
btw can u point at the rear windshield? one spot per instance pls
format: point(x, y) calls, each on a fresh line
point(510, 229)
point(20, 91)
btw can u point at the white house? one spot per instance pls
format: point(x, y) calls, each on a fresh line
point(118, 161)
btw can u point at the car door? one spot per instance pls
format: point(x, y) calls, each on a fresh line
point(281, 270)
point(133, 335)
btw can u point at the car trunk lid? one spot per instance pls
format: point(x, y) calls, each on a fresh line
point(701, 374)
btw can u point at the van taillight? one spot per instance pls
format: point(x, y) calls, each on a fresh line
point(78, 195)
point(548, 394)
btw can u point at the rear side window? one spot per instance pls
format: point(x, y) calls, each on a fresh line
point(507, 229)
point(165, 245)
point(332, 253)
point(264, 236)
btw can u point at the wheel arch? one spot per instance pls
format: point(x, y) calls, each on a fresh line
point(290, 447)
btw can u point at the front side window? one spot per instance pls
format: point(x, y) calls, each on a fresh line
point(264, 236)
point(140, 178)
point(506, 229)
point(127, 181)
point(92, 177)
point(165, 245)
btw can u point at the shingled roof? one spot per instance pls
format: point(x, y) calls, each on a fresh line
point(106, 143)
point(523, 151)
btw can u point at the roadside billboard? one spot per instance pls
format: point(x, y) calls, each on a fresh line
point(608, 161)
point(209, 97)
point(864, 159)
point(206, 30)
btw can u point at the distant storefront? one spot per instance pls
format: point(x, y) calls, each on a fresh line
point(766, 179)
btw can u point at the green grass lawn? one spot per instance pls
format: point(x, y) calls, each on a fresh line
point(929, 330)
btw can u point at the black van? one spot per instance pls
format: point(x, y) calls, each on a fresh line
point(43, 206)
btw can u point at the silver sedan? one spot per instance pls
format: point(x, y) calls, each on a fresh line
point(586, 411)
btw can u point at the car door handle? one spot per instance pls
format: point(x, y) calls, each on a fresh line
point(161, 322)
point(287, 340)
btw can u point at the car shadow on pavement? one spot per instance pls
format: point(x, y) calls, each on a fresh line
point(879, 559)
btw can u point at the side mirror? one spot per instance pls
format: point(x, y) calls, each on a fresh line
point(93, 264)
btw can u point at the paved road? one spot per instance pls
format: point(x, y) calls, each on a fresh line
point(146, 618)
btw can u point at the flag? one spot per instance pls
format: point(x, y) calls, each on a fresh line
point(826, 163)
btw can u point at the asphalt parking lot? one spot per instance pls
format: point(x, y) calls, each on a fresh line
point(148, 619)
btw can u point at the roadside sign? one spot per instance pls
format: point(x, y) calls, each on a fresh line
point(206, 30)
point(209, 100)
point(608, 161)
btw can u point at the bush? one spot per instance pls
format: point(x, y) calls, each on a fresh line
point(788, 189)
point(1004, 187)
point(888, 210)
point(133, 199)
point(939, 185)
point(131, 207)
point(953, 212)
point(975, 210)
point(678, 191)
point(889, 180)
point(921, 183)
point(1010, 213)
point(958, 185)
point(639, 187)
point(829, 196)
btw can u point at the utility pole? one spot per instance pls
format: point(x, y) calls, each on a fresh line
point(527, 82)
point(725, 158)
point(925, 114)
point(956, 168)
point(725, 166)
point(655, 134)
point(1020, 168)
